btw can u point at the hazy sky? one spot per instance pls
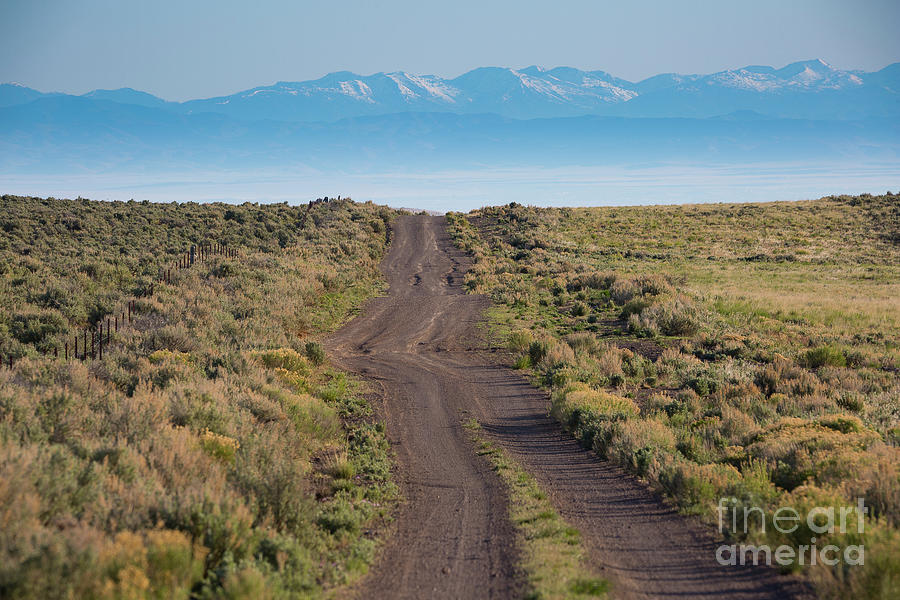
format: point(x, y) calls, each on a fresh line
point(198, 48)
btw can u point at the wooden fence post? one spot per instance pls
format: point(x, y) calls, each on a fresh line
point(67, 350)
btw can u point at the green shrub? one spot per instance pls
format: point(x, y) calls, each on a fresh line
point(538, 350)
point(315, 352)
point(589, 587)
point(338, 516)
point(634, 307)
point(676, 317)
point(842, 423)
point(37, 327)
point(284, 358)
point(579, 401)
point(520, 340)
point(220, 447)
point(824, 356)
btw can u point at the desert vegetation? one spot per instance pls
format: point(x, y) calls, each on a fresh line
point(748, 352)
point(213, 451)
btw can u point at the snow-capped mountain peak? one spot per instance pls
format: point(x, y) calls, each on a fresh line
point(532, 92)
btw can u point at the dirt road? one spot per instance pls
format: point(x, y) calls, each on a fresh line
point(421, 343)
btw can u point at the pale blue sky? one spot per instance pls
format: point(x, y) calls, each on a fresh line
point(200, 48)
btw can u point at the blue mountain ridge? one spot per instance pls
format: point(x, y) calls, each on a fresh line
point(806, 111)
point(807, 89)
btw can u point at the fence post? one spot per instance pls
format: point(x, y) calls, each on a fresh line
point(193, 251)
point(93, 345)
point(107, 330)
point(67, 350)
point(84, 349)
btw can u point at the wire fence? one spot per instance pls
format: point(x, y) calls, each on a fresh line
point(90, 342)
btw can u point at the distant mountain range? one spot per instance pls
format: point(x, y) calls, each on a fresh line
point(809, 90)
point(487, 117)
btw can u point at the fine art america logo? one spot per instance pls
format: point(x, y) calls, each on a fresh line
point(742, 520)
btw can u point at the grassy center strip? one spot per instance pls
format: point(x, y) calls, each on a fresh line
point(552, 554)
